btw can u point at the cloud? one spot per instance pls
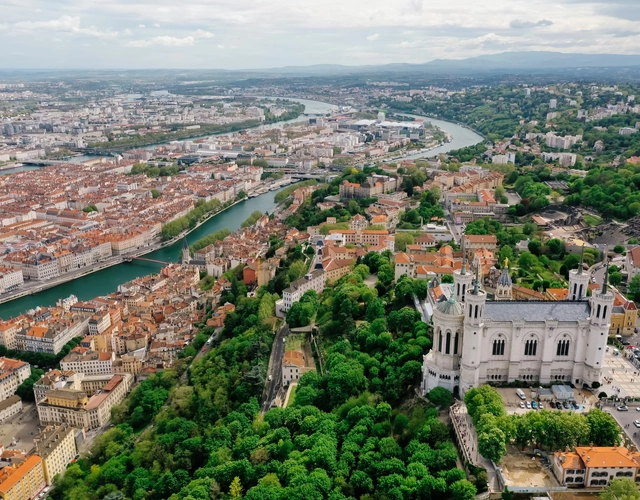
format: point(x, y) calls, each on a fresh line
point(203, 34)
point(373, 37)
point(156, 25)
point(141, 26)
point(519, 24)
point(64, 24)
point(164, 41)
point(221, 46)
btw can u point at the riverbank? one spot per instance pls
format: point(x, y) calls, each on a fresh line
point(158, 244)
point(106, 279)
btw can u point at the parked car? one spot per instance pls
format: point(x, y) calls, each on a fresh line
point(528, 405)
point(552, 404)
point(638, 408)
point(622, 408)
point(521, 404)
point(566, 405)
point(534, 405)
point(540, 406)
point(616, 352)
point(636, 423)
point(625, 342)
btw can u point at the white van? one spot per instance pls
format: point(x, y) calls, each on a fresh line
point(520, 394)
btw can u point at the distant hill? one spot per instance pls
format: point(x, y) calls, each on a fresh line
point(517, 62)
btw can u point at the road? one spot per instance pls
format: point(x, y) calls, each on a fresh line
point(275, 367)
point(625, 418)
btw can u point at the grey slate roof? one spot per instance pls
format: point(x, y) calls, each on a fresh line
point(537, 310)
point(451, 306)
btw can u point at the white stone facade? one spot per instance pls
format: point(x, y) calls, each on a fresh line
point(476, 341)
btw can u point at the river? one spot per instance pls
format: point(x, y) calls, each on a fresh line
point(106, 281)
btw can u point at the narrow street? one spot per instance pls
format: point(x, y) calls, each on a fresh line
point(274, 372)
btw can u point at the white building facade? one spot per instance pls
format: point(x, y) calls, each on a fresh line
point(476, 341)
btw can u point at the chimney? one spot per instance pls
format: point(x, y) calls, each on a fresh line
point(588, 459)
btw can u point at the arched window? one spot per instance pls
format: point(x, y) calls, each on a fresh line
point(530, 347)
point(498, 347)
point(604, 312)
point(580, 293)
point(598, 311)
point(448, 345)
point(440, 342)
point(464, 289)
point(563, 348)
point(476, 313)
point(470, 309)
point(455, 343)
point(458, 288)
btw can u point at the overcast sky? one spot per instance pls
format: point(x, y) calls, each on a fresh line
point(271, 33)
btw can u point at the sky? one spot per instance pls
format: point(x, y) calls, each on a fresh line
point(244, 34)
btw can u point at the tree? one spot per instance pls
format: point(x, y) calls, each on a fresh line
point(155, 193)
point(535, 247)
point(439, 396)
point(402, 240)
point(618, 249)
point(463, 490)
point(447, 278)
point(492, 444)
point(621, 489)
point(615, 278)
point(375, 310)
point(634, 287)
point(235, 489)
point(604, 430)
point(528, 260)
point(529, 228)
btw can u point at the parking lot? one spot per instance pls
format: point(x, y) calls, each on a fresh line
point(584, 399)
point(22, 427)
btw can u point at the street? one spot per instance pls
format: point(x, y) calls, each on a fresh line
point(275, 367)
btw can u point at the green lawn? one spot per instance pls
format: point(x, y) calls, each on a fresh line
point(295, 342)
point(592, 220)
point(292, 395)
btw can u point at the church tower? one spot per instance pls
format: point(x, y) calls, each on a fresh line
point(601, 306)
point(503, 288)
point(186, 256)
point(473, 309)
point(462, 280)
point(578, 281)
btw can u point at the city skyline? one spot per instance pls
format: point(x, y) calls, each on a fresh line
point(248, 34)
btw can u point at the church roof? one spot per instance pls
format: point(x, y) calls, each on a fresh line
point(537, 310)
point(451, 306)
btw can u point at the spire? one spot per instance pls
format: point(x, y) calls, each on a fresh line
point(476, 283)
point(505, 279)
point(185, 245)
point(605, 281)
point(463, 271)
point(581, 260)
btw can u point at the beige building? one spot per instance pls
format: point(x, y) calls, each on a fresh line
point(24, 481)
point(89, 363)
point(294, 365)
point(56, 445)
point(10, 407)
point(76, 408)
point(473, 242)
point(595, 467)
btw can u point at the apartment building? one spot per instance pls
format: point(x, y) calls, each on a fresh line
point(632, 262)
point(8, 331)
point(12, 374)
point(24, 481)
point(10, 407)
point(76, 408)
point(473, 242)
point(315, 280)
point(10, 278)
point(56, 445)
point(52, 337)
point(55, 379)
point(99, 323)
point(89, 363)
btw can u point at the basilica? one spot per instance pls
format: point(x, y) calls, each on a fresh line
point(478, 341)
